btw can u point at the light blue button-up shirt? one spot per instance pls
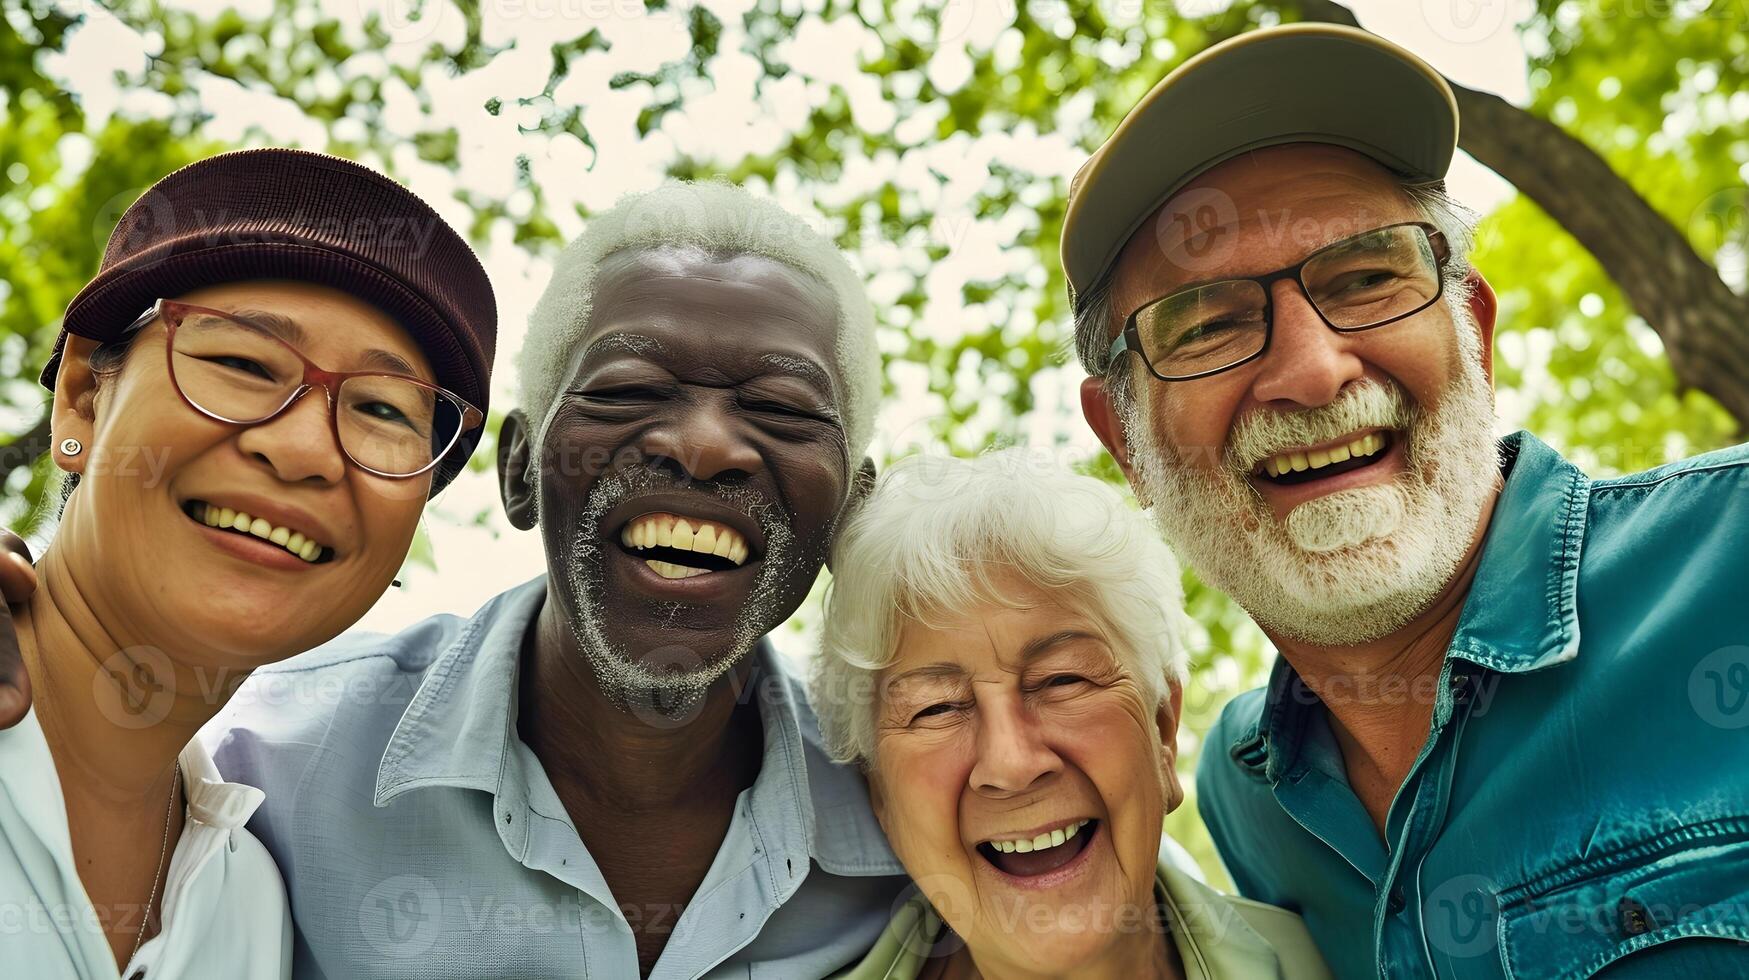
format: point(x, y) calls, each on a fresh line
point(419, 836)
point(1581, 803)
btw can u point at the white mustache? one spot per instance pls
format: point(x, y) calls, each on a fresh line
point(1363, 404)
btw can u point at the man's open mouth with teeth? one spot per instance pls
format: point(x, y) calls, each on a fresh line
point(1304, 466)
point(677, 547)
point(240, 522)
point(1027, 857)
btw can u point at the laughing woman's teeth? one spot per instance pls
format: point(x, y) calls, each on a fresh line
point(1050, 839)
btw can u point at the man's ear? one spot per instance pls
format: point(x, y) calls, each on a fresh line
point(516, 475)
point(1166, 716)
point(1485, 307)
point(73, 414)
point(1102, 415)
point(862, 483)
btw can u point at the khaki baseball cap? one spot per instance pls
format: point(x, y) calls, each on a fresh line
point(1300, 83)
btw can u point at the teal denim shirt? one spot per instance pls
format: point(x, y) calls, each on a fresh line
point(1581, 803)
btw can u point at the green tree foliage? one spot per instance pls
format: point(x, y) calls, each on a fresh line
point(1664, 99)
point(1656, 86)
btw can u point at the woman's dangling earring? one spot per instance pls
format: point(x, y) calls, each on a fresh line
point(71, 447)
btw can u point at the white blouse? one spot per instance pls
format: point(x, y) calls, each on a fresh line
point(223, 906)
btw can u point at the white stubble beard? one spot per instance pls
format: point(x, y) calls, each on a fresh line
point(670, 682)
point(1351, 566)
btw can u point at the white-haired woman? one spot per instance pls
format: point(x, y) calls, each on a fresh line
point(1003, 655)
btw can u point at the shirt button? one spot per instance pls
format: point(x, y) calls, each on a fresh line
point(1396, 904)
point(1633, 917)
point(1460, 688)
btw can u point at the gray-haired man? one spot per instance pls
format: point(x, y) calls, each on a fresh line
point(1489, 747)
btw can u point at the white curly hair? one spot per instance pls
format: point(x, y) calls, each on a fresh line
point(933, 538)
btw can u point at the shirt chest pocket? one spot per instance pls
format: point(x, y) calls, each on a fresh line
point(1686, 886)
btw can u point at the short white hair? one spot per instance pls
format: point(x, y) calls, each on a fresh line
point(720, 220)
point(931, 540)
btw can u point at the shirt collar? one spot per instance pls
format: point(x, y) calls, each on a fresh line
point(1211, 934)
point(1534, 536)
point(831, 799)
point(211, 800)
point(27, 773)
point(1522, 613)
point(457, 728)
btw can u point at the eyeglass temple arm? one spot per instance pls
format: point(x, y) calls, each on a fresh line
point(142, 320)
point(1118, 346)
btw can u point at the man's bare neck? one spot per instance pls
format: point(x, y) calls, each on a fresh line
point(627, 758)
point(675, 780)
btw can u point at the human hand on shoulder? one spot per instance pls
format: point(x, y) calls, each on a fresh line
point(17, 584)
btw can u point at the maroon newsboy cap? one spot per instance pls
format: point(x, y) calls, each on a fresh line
point(277, 213)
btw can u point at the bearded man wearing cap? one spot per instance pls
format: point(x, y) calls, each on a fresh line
point(1505, 733)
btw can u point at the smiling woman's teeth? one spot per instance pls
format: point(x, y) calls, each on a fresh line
point(1042, 842)
point(224, 517)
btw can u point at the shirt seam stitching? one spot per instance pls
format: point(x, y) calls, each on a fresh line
point(1641, 481)
point(1566, 875)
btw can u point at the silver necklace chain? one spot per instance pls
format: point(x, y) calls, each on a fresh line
point(163, 848)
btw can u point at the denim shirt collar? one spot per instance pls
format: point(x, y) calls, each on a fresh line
point(1522, 611)
point(458, 728)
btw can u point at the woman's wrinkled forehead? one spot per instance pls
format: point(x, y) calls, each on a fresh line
point(997, 643)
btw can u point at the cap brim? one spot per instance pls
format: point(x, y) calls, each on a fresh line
point(1304, 83)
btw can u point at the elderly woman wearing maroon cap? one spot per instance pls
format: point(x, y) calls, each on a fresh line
point(283, 355)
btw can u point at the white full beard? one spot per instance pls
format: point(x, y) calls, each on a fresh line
point(1351, 566)
point(666, 685)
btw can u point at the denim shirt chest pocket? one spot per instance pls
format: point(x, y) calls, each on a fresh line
point(1688, 884)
